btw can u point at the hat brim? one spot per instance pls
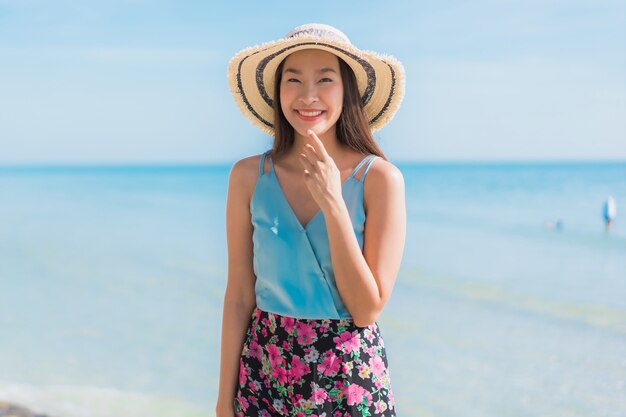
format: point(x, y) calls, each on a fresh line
point(251, 72)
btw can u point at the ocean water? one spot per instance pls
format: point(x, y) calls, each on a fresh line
point(112, 278)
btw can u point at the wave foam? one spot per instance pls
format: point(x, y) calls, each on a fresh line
point(78, 401)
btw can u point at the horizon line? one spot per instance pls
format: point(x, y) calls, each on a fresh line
point(199, 164)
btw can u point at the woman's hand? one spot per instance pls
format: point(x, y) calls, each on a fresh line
point(321, 175)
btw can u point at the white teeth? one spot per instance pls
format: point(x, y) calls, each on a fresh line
point(310, 113)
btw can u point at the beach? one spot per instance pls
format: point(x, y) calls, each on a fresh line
point(115, 277)
point(15, 410)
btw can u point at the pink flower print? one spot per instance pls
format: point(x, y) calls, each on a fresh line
point(325, 324)
point(243, 373)
point(354, 393)
point(348, 342)
point(276, 358)
point(337, 414)
point(264, 332)
point(243, 401)
point(329, 365)
point(287, 323)
point(364, 371)
point(264, 413)
point(255, 386)
point(392, 400)
point(319, 395)
point(368, 398)
point(278, 405)
point(253, 400)
point(369, 335)
point(380, 406)
point(347, 367)
point(297, 401)
point(385, 380)
point(286, 346)
point(306, 333)
point(280, 374)
point(377, 366)
point(298, 369)
point(378, 383)
point(311, 354)
point(255, 350)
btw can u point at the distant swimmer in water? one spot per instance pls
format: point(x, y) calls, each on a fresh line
point(609, 212)
point(555, 225)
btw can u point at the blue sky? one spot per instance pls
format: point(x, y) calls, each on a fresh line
point(145, 81)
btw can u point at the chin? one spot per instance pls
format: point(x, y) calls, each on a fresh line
point(319, 130)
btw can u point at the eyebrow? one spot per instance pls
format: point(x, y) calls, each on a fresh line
point(296, 71)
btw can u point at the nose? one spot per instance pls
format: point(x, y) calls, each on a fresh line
point(308, 94)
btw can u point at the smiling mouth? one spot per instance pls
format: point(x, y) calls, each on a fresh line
point(309, 115)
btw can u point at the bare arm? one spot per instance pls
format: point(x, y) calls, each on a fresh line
point(365, 280)
point(239, 298)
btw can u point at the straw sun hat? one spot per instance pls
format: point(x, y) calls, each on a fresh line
point(251, 72)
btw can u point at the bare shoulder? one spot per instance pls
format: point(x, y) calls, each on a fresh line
point(383, 181)
point(383, 174)
point(244, 174)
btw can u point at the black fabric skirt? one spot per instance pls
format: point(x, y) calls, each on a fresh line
point(312, 367)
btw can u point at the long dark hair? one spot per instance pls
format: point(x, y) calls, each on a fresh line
point(353, 129)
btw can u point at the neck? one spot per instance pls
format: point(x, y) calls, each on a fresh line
point(329, 139)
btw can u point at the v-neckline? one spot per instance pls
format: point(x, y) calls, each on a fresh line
point(319, 211)
point(293, 213)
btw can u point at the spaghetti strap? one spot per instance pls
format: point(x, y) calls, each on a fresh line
point(367, 167)
point(359, 165)
point(363, 161)
point(262, 163)
point(271, 162)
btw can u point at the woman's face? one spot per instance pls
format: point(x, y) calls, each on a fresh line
point(311, 91)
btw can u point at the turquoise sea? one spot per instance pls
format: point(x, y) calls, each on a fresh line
point(112, 278)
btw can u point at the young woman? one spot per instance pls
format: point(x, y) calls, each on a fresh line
point(313, 248)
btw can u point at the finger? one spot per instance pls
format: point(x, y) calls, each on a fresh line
point(315, 142)
point(310, 152)
point(318, 145)
point(306, 164)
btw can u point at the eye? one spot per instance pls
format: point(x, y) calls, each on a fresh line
point(293, 80)
point(325, 80)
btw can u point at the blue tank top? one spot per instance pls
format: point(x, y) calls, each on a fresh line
point(292, 264)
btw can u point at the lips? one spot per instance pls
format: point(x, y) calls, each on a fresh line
point(309, 115)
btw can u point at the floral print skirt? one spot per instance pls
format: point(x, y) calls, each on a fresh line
point(312, 367)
